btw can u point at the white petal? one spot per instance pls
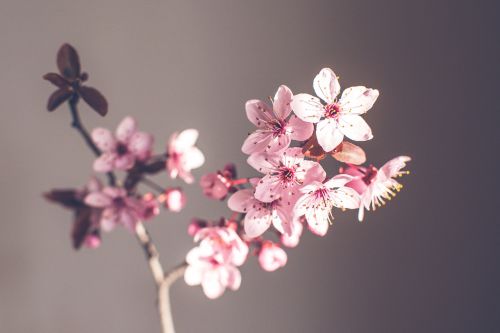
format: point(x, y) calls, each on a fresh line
point(126, 128)
point(355, 127)
point(307, 107)
point(185, 139)
point(358, 99)
point(281, 104)
point(326, 85)
point(328, 134)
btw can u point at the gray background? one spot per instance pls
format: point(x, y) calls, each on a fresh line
point(426, 263)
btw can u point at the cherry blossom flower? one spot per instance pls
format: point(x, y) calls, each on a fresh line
point(271, 256)
point(217, 185)
point(120, 151)
point(183, 156)
point(374, 185)
point(337, 117)
point(275, 129)
point(86, 219)
point(260, 215)
point(318, 200)
point(118, 208)
point(285, 172)
point(213, 263)
point(174, 199)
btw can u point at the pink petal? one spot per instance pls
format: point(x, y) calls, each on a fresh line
point(256, 142)
point(258, 112)
point(211, 284)
point(355, 128)
point(268, 189)
point(281, 104)
point(128, 219)
point(263, 162)
point(300, 129)
point(278, 143)
point(392, 168)
point(103, 139)
point(98, 200)
point(326, 85)
point(339, 180)
point(126, 129)
point(346, 198)
point(329, 136)
point(318, 223)
point(185, 140)
point(241, 200)
point(257, 221)
point(282, 221)
point(315, 172)
point(193, 158)
point(104, 163)
point(233, 280)
point(193, 275)
point(358, 100)
point(272, 257)
point(141, 144)
point(124, 162)
point(293, 239)
point(307, 107)
point(350, 153)
point(109, 219)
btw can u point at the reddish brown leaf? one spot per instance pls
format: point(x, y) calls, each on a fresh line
point(56, 79)
point(312, 149)
point(66, 198)
point(94, 99)
point(81, 226)
point(68, 62)
point(58, 97)
point(347, 152)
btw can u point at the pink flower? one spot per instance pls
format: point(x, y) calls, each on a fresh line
point(213, 263)
point(374, 185)
point(260, 215)
point(271, 257)
point(275, 128)
point(293, 239)
point(183, 156)
point(337, 117)
point(174, 199)
point(118, 208)
point(285, 172)
point(92, 241)
point(318, 200)
point(217, 185)
point(119, 152)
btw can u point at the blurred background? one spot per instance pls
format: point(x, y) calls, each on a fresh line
point(427, 262)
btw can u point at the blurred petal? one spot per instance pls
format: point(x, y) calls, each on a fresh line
point(98, 199)
point(104, 163)
point(141, 144)
point(103, 139)
point(126, 129)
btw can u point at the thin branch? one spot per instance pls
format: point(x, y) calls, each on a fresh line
point(77, 124)
point(152, 185)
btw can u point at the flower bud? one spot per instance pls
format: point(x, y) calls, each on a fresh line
point(271, 257)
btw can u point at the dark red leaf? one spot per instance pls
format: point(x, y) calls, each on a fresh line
point(67, 198)
point(312, 149)
point(68, 62)
point(56, 79)
point(58, 97)
point(81, 226)
point(94, 99)
point(154, 167)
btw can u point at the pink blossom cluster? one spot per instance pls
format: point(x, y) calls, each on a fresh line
point(292, 188)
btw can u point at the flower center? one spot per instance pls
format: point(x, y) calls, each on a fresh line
point(119, 202)
point(286, 174)
point(370, 174)
point(332, 110)
point(277, 127)
point(121, 149)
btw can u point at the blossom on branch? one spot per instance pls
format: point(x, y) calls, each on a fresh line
point(183, 156)
point(337, 117)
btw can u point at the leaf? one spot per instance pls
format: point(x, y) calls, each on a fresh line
point(66, 198)
point(312, 149)
point(56, 79)
point(68, 62)
point(58, 97)
point(348, 152)
point(81, 226)
point(154, 167)
point(94, 99)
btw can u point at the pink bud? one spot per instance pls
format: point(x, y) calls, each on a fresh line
point(195, 226)
point(175, 199)
point(150, 206)
point(92, 241)
point(215, 186)
point(272, 257)
point(293, 239)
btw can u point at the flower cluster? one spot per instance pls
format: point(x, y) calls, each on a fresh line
point(293, 136)
point(270, 210)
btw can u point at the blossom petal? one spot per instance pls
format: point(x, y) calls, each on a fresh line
point(328, 134)
point(278, 143)
point(317, 221)
point(124, 162)
point(358, 100)
point(300, 129)
point(257, 221)
point(346, 198)
point(263, 162)
point(193, 158)
point(211, 283)
point(307, 107)
point(392, 168)
point(326, 85)
point(185, 139)
point(339, 180)
point(233, 278)
point(98, 200)
point(355, 127)
point(258, 112)
point(241, 200)
point(193, 275)
point(281, 104)
point(141, 144)
point(256, 142)
point(104, 163)
point(268, 189)
point(103, 139)
point(126, 128)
